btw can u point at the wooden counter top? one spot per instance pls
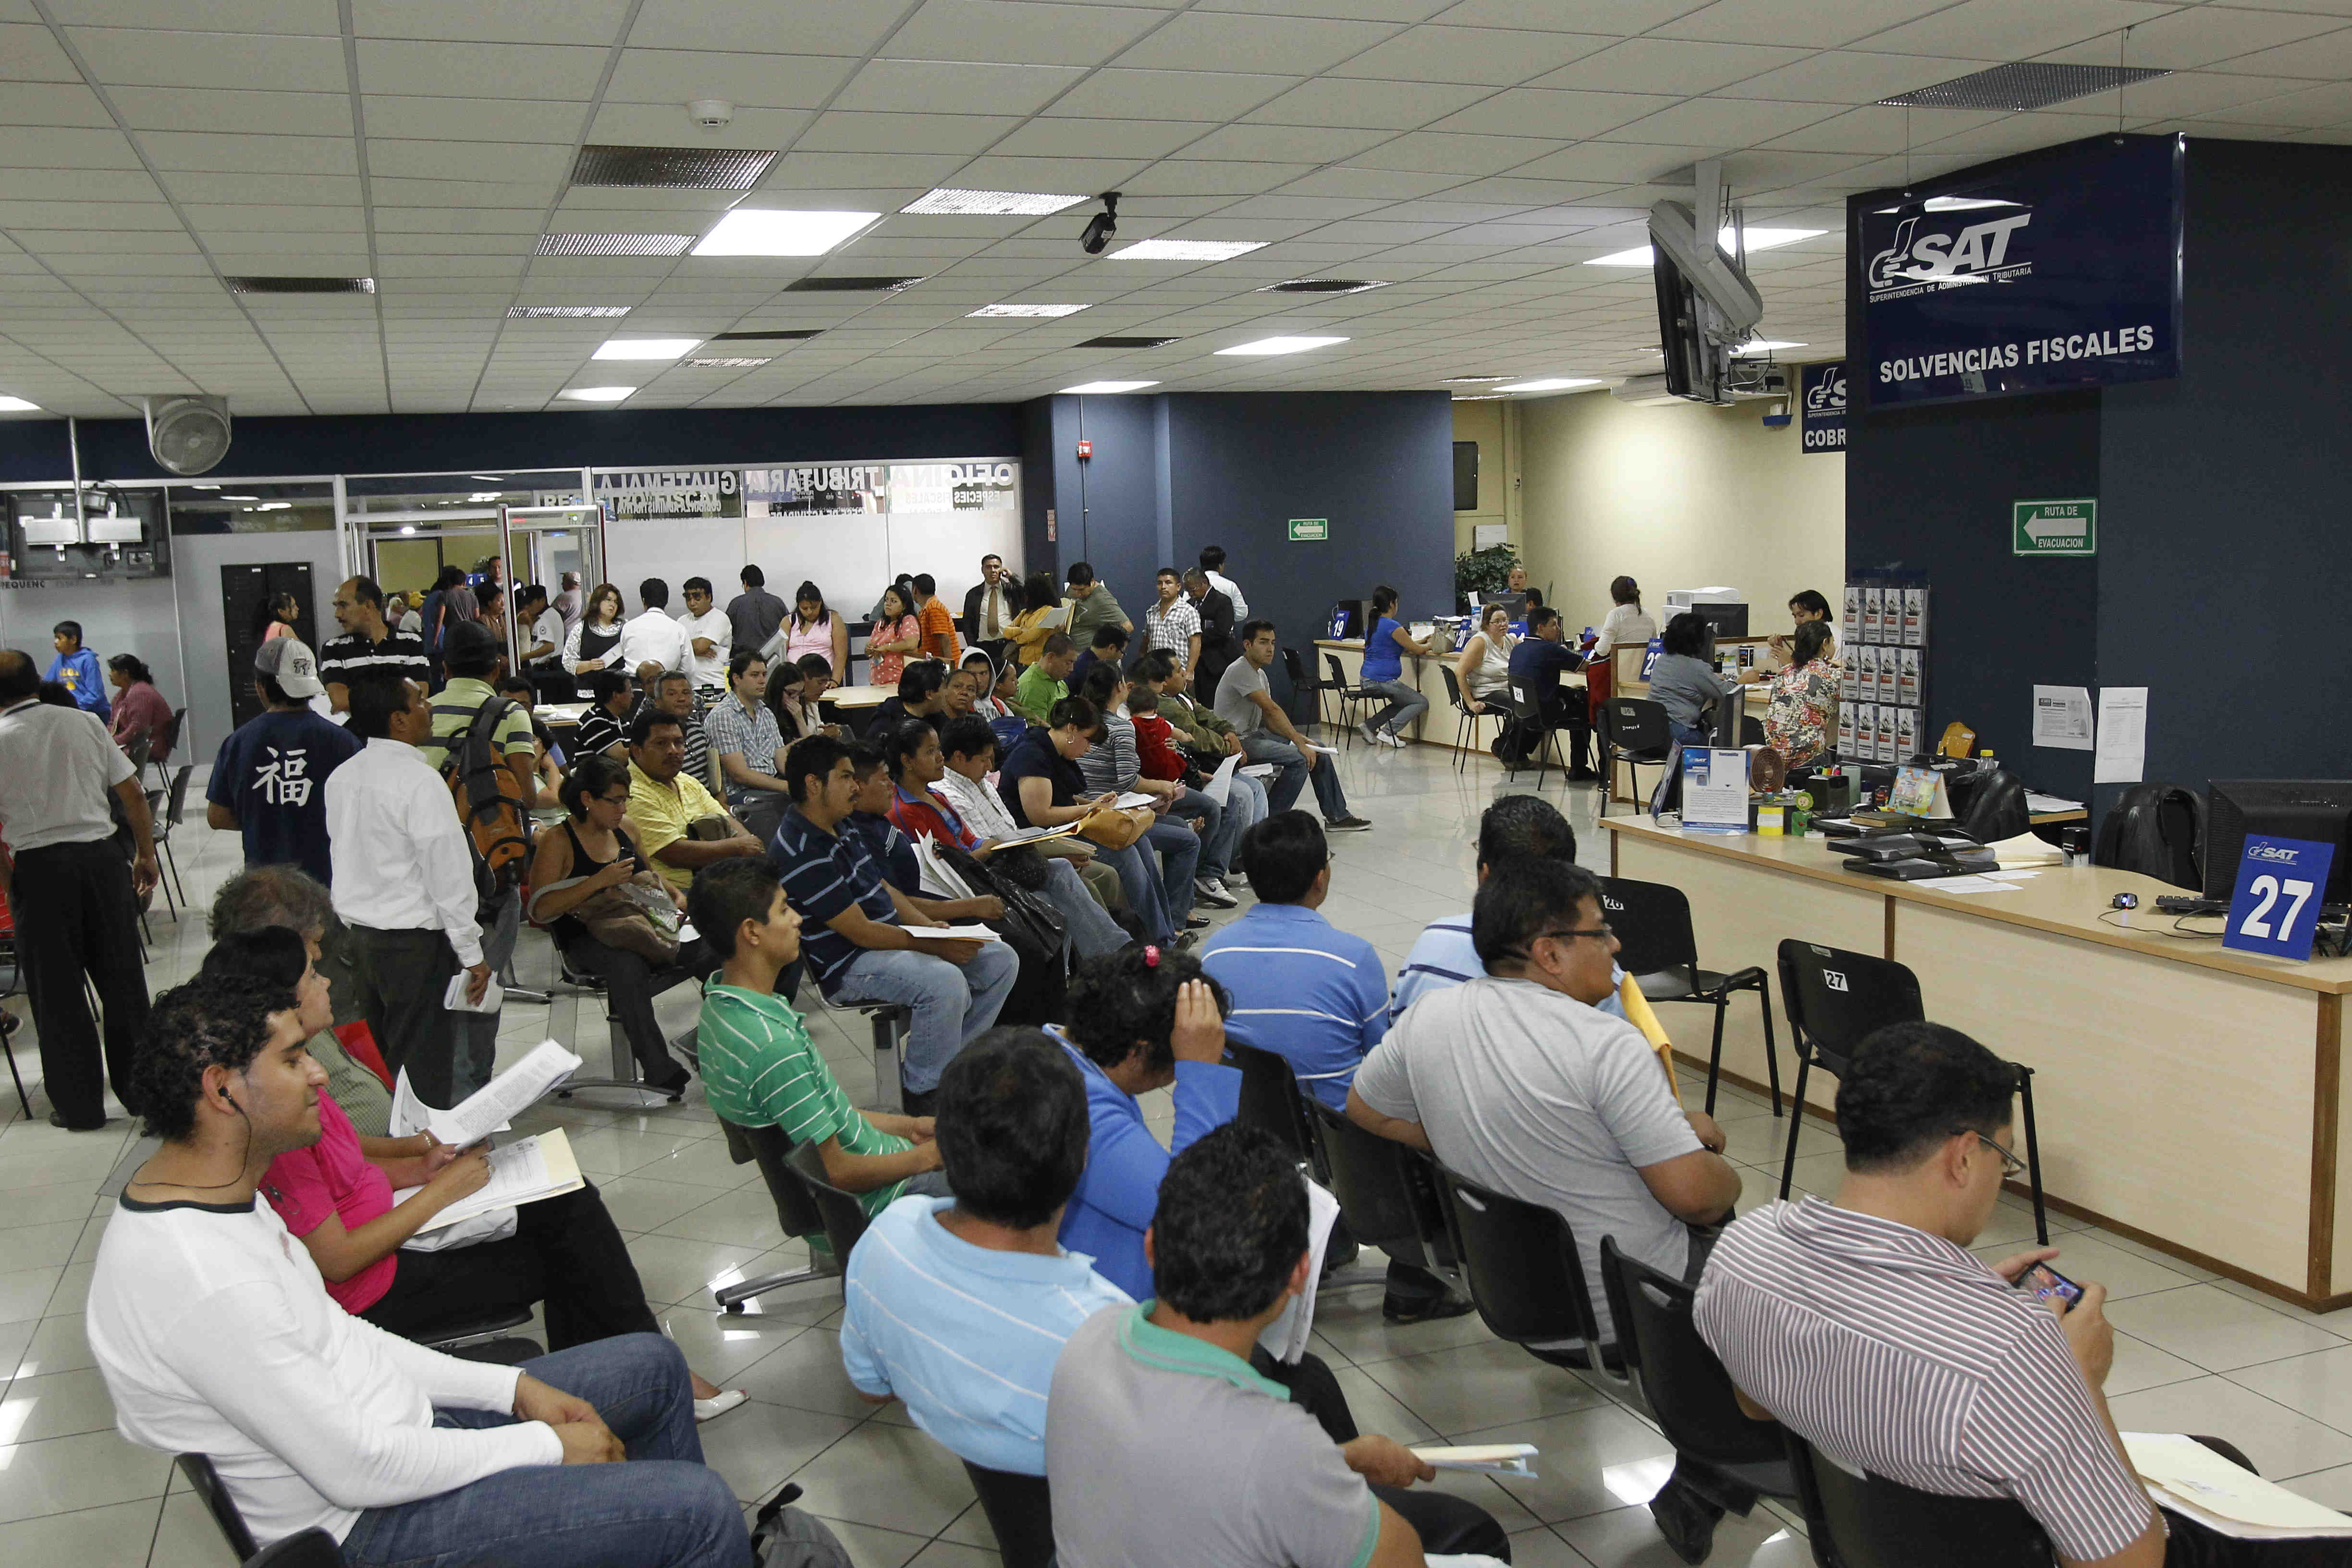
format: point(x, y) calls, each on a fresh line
point(2062, 901)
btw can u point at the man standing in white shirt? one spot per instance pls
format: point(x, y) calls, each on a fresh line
point(404, 887)
point(709, 637)
point(216, 1336)
point(651, 637)
point(1213, 562)
point(76, 904)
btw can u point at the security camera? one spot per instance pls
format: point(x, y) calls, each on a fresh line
point(1105, 224)
point(711, 114)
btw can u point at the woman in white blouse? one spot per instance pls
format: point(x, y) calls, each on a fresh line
point(1483, 667)
point(1626, 623)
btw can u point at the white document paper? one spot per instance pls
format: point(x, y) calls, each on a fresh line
point(1327, 751)
point(966, 933)
point(2122, 755)
point(1968, 884)
point(1285, 1339)
point(454, 998)
point(520, 1172)
point(2062, 717)
point(2185, 1475)
point(1220, 786)
point(2037, 802)
point(1715, 790)
point(1492, 1459)
point(1130, 800)
point(490, 1107)
point(1260, 770)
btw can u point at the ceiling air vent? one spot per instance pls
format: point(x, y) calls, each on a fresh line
point(1322, 286)
point(300, 285)
point(1126, 342)
point(670, 168)
point(2021, 86)
point(767, 335)
point(564, 312)
point(614, 244)
point(849, 284)
point(729, 362)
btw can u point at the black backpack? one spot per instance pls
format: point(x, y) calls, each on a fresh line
point(2158, 831)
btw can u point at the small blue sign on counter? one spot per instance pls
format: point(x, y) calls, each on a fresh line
point(1650, 655)
point(2275, 908)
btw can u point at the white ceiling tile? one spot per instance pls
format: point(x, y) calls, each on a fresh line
point(1668, 65)
point(1398, 183)
point(472, 119)
point(1058, 175)
point(392, 219)
point(1544, 111)
point(2200, 35)
point(1721, 122)
point(479, 70)
point(390, 191)
point(71, 148)
point(2313, 107)
point(1083, 139)
point(1195, 176)
point(1616, 18)
point(176, 150)
point(776, 81)
point(1623, 162)
point(1810, 23)
point(1019, 31)
point(1492, 57)
point(214, 16)
point(843, 131)
point(154, 242)
point(837, 170)
point(770, 27)
point(1880, 129)
point(1228, 42)
point(951, 88)
point(1438, 152)
point(1286, 143)
point(2328, 58)
point(158, 58)
point(1217, 96)
point(197, 185)
point(50, 103)
point(501, 21)
point(1389, 105)
point(2022, 133)
point(1853, 78)
point(668, 125)
point(2201, 93)
point(93, 185)
point(2011, 29)
point(531, 163)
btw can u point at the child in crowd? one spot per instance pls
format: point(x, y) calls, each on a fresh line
point(1155, 737)
point(76, 670)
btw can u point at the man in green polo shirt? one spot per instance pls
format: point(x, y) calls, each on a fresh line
point(759, 1068)
point(1047, 681)
point(1166, 1449)
point(1092, 605)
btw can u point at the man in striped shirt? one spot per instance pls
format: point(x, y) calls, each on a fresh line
point(961, 1307)
point(759, 1067)
point(1867, 1326)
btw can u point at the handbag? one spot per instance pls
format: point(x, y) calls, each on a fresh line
point(784, 1537)
point(1111, 829)
point(634, 917)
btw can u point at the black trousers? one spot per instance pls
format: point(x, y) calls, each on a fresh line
point(1446, 1524)
point(76, 915)
point(631, 984)
point(402, 976)
point(565, 1252)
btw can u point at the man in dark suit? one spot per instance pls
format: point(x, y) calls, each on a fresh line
point(990, 607)
point(1218, 648)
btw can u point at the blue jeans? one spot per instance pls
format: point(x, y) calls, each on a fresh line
point(1244, 809)
point(1405, 705)
point(1144, 893)
point(665, 1508)
point(1293, 776)
point(953, 1004)
point(1221, 828)
point(1179, 848)
point(1091, 929)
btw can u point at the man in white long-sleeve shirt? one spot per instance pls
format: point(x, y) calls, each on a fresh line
point(403, 883)
point(216, 1336)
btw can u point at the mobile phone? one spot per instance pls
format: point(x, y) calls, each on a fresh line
point(2044, 1283)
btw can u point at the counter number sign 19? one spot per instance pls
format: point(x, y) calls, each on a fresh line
point(2276, 909)
point(2053, 528)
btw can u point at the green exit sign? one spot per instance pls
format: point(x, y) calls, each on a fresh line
point(2053, 528)
point(1304, 530)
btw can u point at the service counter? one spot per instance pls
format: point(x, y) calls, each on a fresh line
point(2186, 1095)
point(1441, 723)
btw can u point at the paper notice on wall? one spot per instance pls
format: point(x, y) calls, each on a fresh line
point(2062, 717)
point(2122, 757)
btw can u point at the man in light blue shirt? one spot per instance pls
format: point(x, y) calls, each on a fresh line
point(1515, 829)
point(960, 1306)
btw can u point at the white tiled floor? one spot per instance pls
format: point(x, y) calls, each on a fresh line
point(2193, 1352)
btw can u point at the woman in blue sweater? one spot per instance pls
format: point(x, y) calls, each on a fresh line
point(1140, 1018)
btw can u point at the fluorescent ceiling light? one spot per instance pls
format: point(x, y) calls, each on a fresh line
point(1028, 311)
point(1758, 239)
point(645, 348)
point(1281, 345)
point(1188, 249)
point(1086, 388)
point(489, 478)
point(763, 231)
point(990, 204)
point(1761, 347)
point(597, 393)
point(729, 363)
point(1952, 204)
point(17, 406)
point(409, 528)
point(1550, 383)
point(1450, 380)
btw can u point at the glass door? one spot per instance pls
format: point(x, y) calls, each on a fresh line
point(558, 546)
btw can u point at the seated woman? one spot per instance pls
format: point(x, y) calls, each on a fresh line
point(968, 747)
point(140, 710)
point(1484, 669)
point(1041, 786)
point(1190, 837)
point(593, 847)
point(797, 716)
point(1802, 720)
point(336, 1196)
point(1140, 1019)
point(1685, 681)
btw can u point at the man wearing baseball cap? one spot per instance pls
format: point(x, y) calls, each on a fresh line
point(269, 781)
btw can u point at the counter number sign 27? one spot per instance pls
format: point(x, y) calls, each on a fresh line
point(2275, 908)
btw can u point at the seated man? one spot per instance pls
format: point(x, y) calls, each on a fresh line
point(1108, 646)
point(960, 1306)
point(1166, 1446)
point(1816, 1306)
point(604, 724)
point(1518, 1082)
point(742, 731)
point(922, 694)
point(1046, 682)
point(216, 1337)
point(1267, 735)
point(1207, 737)
point(757, 1066)
point(969, 748)
point(857, 942)
point(1513, 831)
point(1539, 661)
point(666, 802)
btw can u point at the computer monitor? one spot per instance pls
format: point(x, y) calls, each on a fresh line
point(1516, 603)
point(2318, 810)
point(1728, 620)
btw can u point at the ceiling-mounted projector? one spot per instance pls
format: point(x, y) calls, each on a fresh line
point(1707, 306)
point(187, 435)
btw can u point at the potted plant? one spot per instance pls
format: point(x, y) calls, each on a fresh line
point(1486, 571)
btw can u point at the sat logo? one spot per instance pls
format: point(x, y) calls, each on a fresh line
point(1826, 398)
point(1926, 262)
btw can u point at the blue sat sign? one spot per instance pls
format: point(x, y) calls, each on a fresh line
point(2276, 909)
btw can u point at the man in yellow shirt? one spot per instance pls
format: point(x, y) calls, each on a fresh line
point(666, 801)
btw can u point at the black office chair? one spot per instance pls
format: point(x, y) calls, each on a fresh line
point(1353, 699)
point(1272, 1100)
point(1689, 1394)
point(1836, 998)
point(166, 806)
point(1528, 719)
point(889, 1023)
point(771, 1148)
point(1520, 1263)
point(213, 1492)
point(1868, 1521)
point(1466, 725)
point(844, 1221)
point(313, 1548)
point(12, 980)
point(1996, 809)
point(1657, 948)
point(167, 740)
point(1633, 731)
point(1020, 1509)
point(487, 1337)
point(1387, 1192)
point(1303, 685)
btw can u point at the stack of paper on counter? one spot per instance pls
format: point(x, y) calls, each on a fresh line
point(490, 1107)
point(1285, 1339)
point(2185, 1476)
point(2026, 850)
point(523, 1172)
